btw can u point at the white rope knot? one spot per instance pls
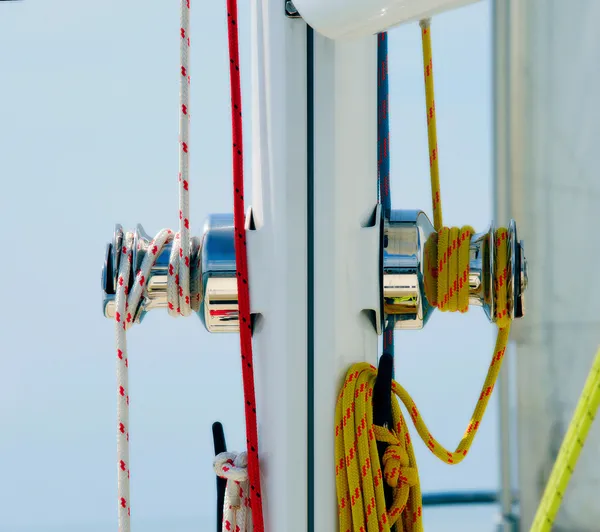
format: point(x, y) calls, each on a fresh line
point(237, 514)
point(232, 466)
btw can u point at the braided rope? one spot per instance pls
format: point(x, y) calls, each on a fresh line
point(126, 305)
point(359, 476)
point(383, 159)
point(431, 124)
point(383, 125)
point(237, 514)
point(241, 260)
point(178, 288)
point(179, 279)
point(361, 501)
point(570, 449)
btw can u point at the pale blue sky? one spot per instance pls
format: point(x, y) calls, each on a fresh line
point(88, 138)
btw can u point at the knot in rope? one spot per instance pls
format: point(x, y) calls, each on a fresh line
point(237, 514)
point(359, 486)
point(397, 470)
point(183, 296)
point(396, 465)
point(232, 466)
point(178, 287)
point(359, 475)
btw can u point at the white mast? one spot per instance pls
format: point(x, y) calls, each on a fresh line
point(548, 136)
point(314, 260)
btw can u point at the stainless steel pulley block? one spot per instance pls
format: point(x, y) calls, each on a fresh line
point(402, 260)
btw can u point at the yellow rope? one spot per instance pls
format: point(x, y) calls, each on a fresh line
point(431, 124)
point(359, 476)
point(573, 442)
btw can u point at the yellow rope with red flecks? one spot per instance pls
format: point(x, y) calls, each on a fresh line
point(359, 476)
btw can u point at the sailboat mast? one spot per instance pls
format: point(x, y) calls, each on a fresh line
point(318, 229)
point(278, 262)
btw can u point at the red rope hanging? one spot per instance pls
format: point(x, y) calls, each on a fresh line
point(242, 269)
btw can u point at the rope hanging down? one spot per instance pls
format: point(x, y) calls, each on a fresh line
point(178, 292)
point(383, 158)
point(359, 476)
point(242, 269)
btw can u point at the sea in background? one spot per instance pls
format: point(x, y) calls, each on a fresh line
point(88, 138)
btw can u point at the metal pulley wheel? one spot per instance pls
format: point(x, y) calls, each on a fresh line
point(403, 296)
point(404, 263)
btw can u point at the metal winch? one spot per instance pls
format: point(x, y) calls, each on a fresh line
point(403, 262)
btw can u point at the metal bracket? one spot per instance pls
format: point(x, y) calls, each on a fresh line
point(391, 256)
point(290, 10)
point(369, 294)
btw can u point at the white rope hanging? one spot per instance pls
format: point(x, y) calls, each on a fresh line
point(237, 513)
point(178, 288)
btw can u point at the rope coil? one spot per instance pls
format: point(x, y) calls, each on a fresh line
point(359, 476)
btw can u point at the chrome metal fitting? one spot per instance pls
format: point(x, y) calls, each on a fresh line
point(212, 269)
point(290, 9)
point(404, 262)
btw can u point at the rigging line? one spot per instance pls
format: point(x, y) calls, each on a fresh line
point(383, 156)
point(382, 402)
point(570, 449)
point(128, 294)
point(431, 124)
point(383, 125)
point(359, 476)
point(241, 259)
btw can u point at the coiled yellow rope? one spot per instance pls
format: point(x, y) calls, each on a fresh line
point(359, 476)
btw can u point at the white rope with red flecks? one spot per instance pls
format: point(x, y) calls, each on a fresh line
point(237, 512)
point(178, 289)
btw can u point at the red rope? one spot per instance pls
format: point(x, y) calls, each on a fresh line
point(242, 269)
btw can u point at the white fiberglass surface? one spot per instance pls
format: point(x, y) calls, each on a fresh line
point(353, 18)
point(88, 132)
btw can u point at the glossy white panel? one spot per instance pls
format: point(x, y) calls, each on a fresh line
point(277, 261)
point(353, 18)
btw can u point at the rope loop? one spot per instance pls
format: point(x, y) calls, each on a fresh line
point(237, 512)
point(397, 470)
point(232, 466)
point(359, 476)
point(178, 288)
